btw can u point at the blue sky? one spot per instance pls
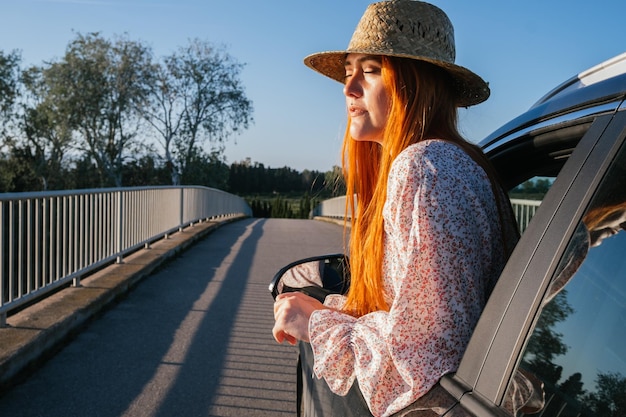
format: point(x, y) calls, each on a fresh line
point(522, 48)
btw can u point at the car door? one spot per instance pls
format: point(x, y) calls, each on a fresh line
point(539, 325)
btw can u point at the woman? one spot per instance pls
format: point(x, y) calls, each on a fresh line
point(432, 229)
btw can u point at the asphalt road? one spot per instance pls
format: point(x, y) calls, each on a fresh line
point(193, 339)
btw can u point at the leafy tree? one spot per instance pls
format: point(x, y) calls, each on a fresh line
point(260, 208)
point(197, 96)
point(546, 344)
point(534, 189)
point(16, 171)
point(314, 182)
point(206, 169)
point(99, 85)
point(84, 174)
point(280, 208)
point(573, 386)
point(47, 130)
point(9, 87)
point(145, 171)
point(610, 397)
point(305, 206)
point(335, 182)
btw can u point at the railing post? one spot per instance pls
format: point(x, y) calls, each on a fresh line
point(182, 211)
point(73, 204)
point(3, 316)
point(120, 226)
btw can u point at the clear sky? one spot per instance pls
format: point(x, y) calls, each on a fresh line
point(522, 48)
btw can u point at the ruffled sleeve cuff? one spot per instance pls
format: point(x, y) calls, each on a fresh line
point(330, 334)
point(335, 301)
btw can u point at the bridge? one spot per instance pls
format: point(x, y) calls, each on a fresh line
point(146, 302)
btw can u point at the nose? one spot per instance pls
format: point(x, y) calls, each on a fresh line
point(352, 87)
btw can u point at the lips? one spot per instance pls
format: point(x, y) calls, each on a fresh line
point(355, 111)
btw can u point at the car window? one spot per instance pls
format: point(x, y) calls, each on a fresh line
point(529, 161)
point(578, 347)
point(526, 199)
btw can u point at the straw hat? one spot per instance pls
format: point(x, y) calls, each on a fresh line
point(408, 29)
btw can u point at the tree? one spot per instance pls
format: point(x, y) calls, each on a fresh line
point(206, 169)
point(546, 343)
point(305, 206)
point(196, 97)
point(84, 173)
point(100, 86)
point(47, 129)
point(9, 81)
point(144, 171)
point(610, 397)
point(16, 171)
point(533, 189)
point(573, 386)
point(335, 182)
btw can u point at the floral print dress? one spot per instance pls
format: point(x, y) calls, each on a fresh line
point(443, 254)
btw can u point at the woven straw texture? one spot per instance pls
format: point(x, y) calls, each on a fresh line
point(409, 29)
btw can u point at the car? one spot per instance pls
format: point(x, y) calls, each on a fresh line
point(551, 340)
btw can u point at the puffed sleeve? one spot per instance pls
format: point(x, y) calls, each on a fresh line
point(437, 267)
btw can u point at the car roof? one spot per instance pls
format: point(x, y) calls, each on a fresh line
point(539, 141)
point(607, 70)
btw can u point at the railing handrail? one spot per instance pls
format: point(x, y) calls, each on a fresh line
point(83, 191)
point(524, 202)
point(335, 207)
point(48, 239)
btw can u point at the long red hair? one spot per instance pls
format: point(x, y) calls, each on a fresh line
point(423, 106)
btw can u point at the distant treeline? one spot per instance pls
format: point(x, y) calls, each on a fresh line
point(242, 178)
point(282, 207)
point(271, 192)
point(533, 189)
point(283, 192)
point(246, 178)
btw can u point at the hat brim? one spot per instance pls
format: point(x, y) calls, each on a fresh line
point(470, 88)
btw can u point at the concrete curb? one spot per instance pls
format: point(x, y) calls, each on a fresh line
point(335, 220)
point(37, 332)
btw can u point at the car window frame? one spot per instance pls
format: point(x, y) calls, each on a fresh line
point(511, 313)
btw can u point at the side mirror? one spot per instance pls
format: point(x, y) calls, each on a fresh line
point(317, 276)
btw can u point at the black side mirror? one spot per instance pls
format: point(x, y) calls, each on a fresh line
point(317, 276)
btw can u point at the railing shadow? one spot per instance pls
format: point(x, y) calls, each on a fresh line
point(186, 342)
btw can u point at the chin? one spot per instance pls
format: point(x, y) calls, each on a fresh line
point(366, 139)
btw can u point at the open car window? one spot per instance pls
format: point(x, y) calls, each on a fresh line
point(530, 160)
point(577, 349)
point(527, 197)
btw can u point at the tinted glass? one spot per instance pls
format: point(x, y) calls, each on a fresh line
point(578, 347)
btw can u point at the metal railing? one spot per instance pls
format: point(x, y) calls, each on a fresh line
point(524, 210)
point(48, 239)
point(335, 208)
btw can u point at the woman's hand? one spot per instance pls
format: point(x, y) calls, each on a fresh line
point(292, 311)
